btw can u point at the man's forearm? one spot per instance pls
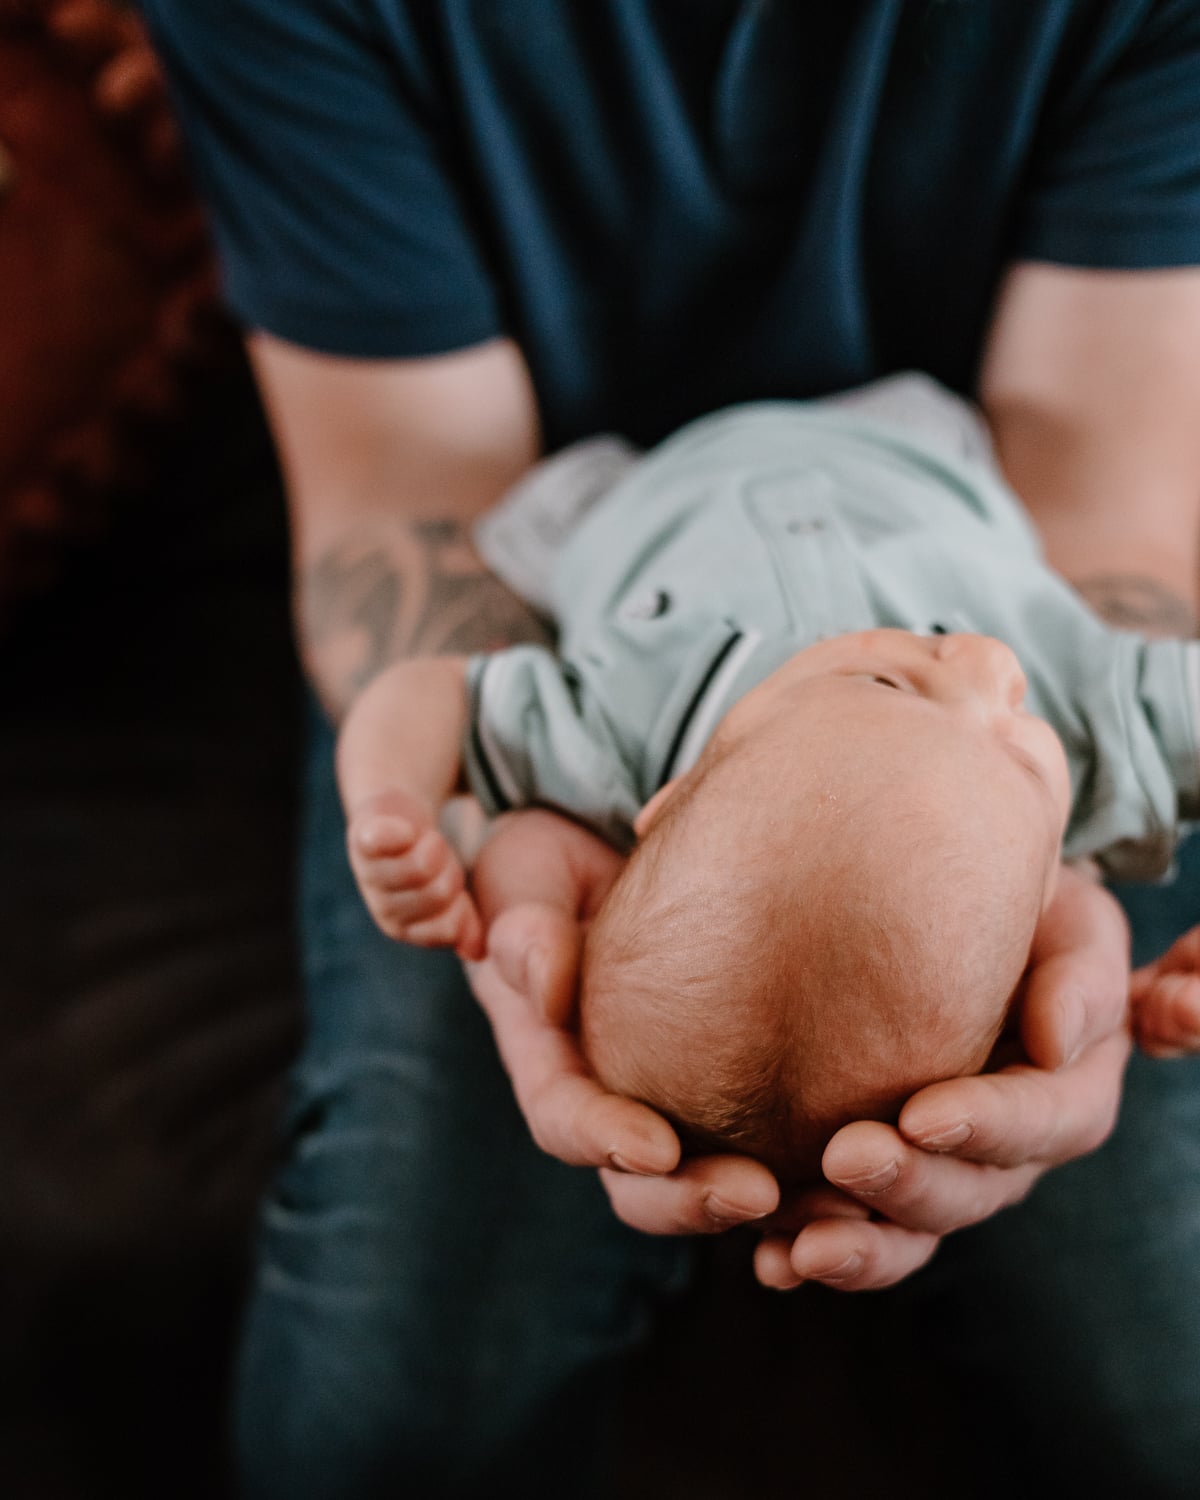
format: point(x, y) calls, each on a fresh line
point(1091, 384)
point(1137, 575)
point(387, 463)
point(1133, 558)
point(392, 589)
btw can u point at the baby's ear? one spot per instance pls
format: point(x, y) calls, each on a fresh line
point(644, 821)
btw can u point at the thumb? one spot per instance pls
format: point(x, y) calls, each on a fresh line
point(536, 950)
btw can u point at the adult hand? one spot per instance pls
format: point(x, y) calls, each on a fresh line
point(965, 1148)
point(538, 881)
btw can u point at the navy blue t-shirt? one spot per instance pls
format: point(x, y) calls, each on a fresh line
point(673, 205)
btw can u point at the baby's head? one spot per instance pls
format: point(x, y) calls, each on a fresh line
point(835, 905)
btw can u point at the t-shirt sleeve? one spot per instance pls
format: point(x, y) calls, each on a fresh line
point(537, 736)
point(315, 138)
point(1119, 184)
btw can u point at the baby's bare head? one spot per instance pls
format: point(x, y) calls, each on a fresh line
point(812, 929)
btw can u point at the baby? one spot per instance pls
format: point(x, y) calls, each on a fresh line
point(789, 666)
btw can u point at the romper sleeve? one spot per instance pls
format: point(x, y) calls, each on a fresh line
point(537, 736)
point(1143, 768)
point(1119, 181)
point(314, 132)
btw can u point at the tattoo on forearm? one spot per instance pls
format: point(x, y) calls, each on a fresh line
point(419, 591)
point(1142, 604)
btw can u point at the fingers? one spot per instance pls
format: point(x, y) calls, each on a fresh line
point(859, 1257)
point(773, 1263)
point(537, 881)
point(527, 989)
point(799, 1209)
point(412, 882)
point(537, 951)
point(840, 1246)
point(569, 1115)
point(416, 877)
point(969, 1147)
point(458, 927)
point(1022, 1114)
point(572, 1118)
point(914, 1190)
point(704, 1196)
point(1166, 1013)
point(1077, 988)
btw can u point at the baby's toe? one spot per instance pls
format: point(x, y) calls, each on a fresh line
point(411, 897)
point(432, 854)
point(443, 928)
point(381, 836)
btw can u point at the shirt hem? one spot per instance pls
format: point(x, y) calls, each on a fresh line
point(365, 333)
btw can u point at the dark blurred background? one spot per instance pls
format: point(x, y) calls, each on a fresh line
point(148, 1000)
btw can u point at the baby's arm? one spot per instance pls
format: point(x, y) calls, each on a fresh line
point(398, 760)
point(1166, 1000)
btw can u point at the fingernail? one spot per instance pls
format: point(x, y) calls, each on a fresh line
point(945, 1140)
point(621, 1164)
point(871, 1182)
point(722, 1212)
point(851, 1266)
point(783, 1286)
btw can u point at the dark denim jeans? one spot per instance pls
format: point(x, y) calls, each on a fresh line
point(440, 1309)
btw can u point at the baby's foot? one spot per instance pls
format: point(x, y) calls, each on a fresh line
point(409, 876)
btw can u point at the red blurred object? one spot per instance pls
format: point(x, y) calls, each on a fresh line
point(107, 287)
